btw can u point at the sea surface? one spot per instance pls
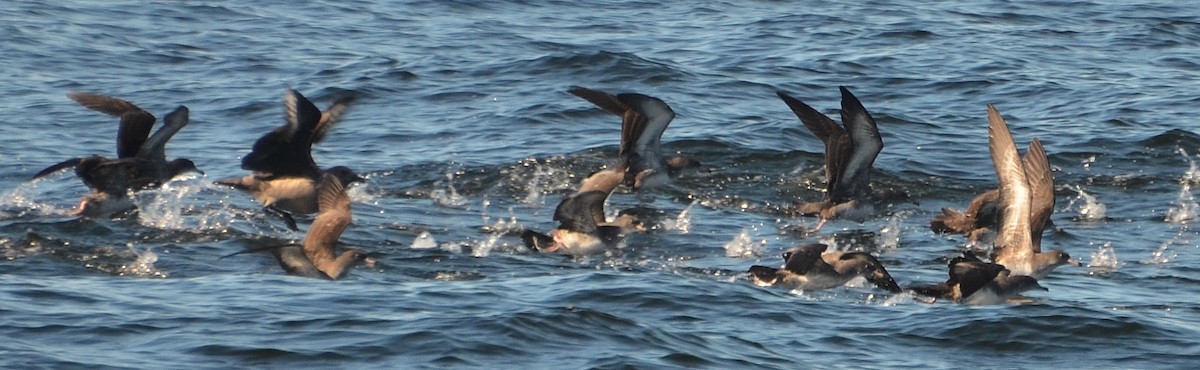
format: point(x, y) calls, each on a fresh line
point(465, 131)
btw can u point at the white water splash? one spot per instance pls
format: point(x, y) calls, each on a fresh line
point(683, 222)
point(1104, 259)
point(177, 205)
point(1087, 206)
point(496, 230)
point(1160, 255)
point(889, 236)
point(743, 246)
point(1088, 162)
point(1185, 209)
point(424, 241)
point(143, 266)
point(542, 179)
point(448, 197)
point(484, 247)
point(23, 198)
point(358, 194)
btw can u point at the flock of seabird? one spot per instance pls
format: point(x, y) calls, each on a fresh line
point(287, 181)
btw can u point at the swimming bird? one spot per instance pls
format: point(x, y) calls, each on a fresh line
point(976, 282)
point(983, 214)
point(1025, 203)
point(807, 267)
point(583, 229)
point(315, 257)
point(643, 121)
point(285, 177)
point(978, 219)
point(141, 161)
point(849, 155)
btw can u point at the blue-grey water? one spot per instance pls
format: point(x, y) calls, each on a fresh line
point(467, 135)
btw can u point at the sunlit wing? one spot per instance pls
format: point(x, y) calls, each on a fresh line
point(865, 141)
point(1041, 186)
point(332, 219)
point(1013, 234)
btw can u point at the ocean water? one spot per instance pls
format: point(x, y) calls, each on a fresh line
point(467, 135)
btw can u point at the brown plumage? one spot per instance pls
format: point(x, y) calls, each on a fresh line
point(643, 121)
point(982, 214)
point(808, 267)
point(1022, 219)
point(316, 256)
point(977, 282)
point(583, 228)
point(850, 153)
point(331, 222)
point(285, 177)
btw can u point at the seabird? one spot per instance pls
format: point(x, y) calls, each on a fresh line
point(1025, 187)
point(807, 267)
point(583, 229)
point(285, 177)
point(977, 220)
point(141, 158)
point(315, 256)
point(643, 121)
point(849, 155)
point(975, 282)
point(983, 213)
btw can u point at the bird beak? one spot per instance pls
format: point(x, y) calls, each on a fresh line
point(1074, 262)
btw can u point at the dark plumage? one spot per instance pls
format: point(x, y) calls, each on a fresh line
point(583, 228)
point(141, 158)
point(976, 282)
point(807, 267)
point(849, 154)
point(643, 121)
point(285, 177)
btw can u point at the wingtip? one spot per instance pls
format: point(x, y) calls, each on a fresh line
point(994, 114)
point(180, 113)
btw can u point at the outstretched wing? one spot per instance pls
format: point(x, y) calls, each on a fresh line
point(865, 143)
point(70, 163)
point(632, 122)
point(331, 116)
point(603, 181)
point(578, 212)
point(135, 122)
point(1041, 187)
point(154, 149)
point(1013, 237)
point(331, 220)
point(803, 258)
point(647, 134)
point(286, 151)
point(837, 143)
